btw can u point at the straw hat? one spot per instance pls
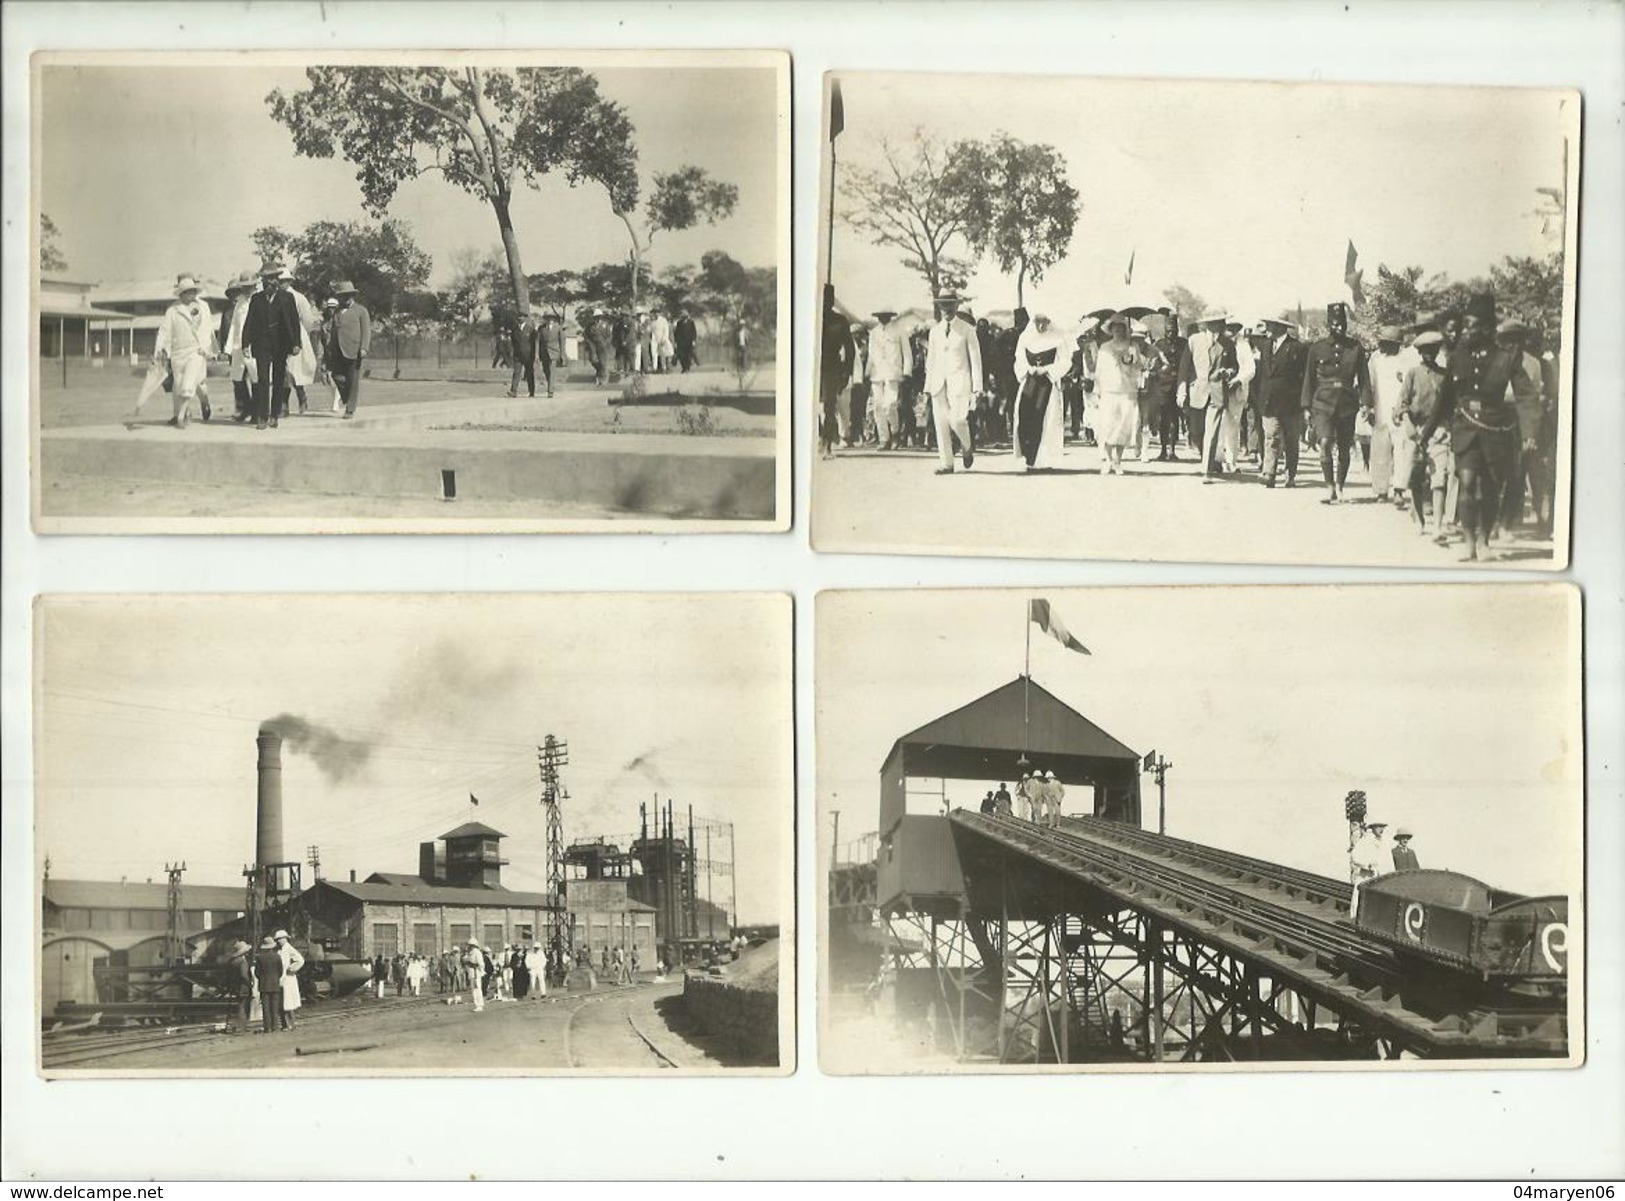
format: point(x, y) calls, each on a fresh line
point(186, 284)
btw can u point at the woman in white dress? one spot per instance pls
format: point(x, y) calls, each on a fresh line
point(1042, 358)
point(302, 365)
point(1118, 369)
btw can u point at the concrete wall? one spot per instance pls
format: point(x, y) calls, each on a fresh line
point(747, 1018)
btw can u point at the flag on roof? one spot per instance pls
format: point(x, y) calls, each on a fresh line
point(1048, 620)
point(472, 799)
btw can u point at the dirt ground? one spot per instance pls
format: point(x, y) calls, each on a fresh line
point(638, 1029)
point(103, 396)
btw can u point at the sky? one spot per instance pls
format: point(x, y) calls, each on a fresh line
point(149, 707)
point(148, 172)
point(1455, 708)
point(1248, 194)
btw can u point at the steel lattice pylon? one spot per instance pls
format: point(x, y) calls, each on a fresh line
point(550, 756)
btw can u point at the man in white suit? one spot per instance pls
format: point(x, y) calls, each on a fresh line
point(890, 362)
point(1208, 368)
point(953, 377)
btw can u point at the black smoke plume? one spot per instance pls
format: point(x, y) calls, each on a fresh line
point(338, 757)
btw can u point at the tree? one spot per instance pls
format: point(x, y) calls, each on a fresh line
point(558, 290)
point(479, 288)
point(1532, 288)
point(1019, 206)
point(1186, 303)
point(906, 203)
point(680, 200)
point(608, 284)
point(51, 257)
point(270, 243)
point(728, 289)
point(382, 261)
point(482, 130)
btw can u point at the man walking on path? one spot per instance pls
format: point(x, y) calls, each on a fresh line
point(889, 365)
point(953, 377)
point(1280, 393)
point(523, 338)
point(352, 333)
point(1389, 367)
point(271, 333)
point(1336, 386)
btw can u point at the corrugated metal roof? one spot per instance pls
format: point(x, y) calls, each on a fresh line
point(48, 308)
point(440, 894)
point(394, 878)
point(473, 830)
point(134, 291)
point(1020, 714)
point(95, 894)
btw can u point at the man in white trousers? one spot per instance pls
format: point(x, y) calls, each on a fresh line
point(890, 362)
point(953, 377)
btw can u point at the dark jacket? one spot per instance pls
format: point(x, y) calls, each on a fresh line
point(839, 355)
point(1280, 377)
point(1336, 377)
point(269, 966)
point(271, 329)
point(524, 338)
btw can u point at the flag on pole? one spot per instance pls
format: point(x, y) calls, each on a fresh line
point(1128, 276)
point(1352, 274)
point(1040, 613)
point(472, 799)
point(837, 110)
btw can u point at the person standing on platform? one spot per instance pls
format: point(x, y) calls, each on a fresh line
point(352, 335)
point(1336, 387)
point(953, 377)
point(989, 806)
point(1054, 794)
point(1388, 368)
point(292, 964)
point(1405, 859)
point(1001, 800)
point(889, 365)
point(1369, 859)
point(268, 967)
point(1483, 422)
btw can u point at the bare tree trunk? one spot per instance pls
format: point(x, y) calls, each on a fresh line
point(637, 256)
point(1021, 283)
point(510, 245)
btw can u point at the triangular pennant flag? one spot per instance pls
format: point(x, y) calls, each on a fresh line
point(1352, 273)
point(837, 111)
point(472, 799)
point(1040, 612)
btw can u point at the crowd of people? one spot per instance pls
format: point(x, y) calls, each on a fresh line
point(277, 342)
point(644, 341)
point(1038, 793)
point(1372, 855)
point(1454, 415)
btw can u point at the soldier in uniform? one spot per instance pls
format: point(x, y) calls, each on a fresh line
point(1336, 386)
point(1482, 420)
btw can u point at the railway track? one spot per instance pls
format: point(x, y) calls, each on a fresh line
point(72, 1049)
point(645, 1044)
point(1289, 924)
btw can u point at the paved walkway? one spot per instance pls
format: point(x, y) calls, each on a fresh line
point(866, 500)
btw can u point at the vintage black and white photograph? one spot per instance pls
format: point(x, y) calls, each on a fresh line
point(1196, 321)
point(500, 834)
point(1052, 838)
point(415, 291)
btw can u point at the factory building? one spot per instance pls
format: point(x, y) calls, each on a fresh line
point(89, 924)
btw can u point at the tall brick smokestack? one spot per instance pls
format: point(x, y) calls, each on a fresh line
point(268, 830)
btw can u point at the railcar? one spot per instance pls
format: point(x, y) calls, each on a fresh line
point(1452, 919)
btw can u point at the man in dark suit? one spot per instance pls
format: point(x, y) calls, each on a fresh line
point(684, 335)
point(1280, 393)
point(522, 335)
point(270, 335)
point(550, 347)
point(352, 339)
